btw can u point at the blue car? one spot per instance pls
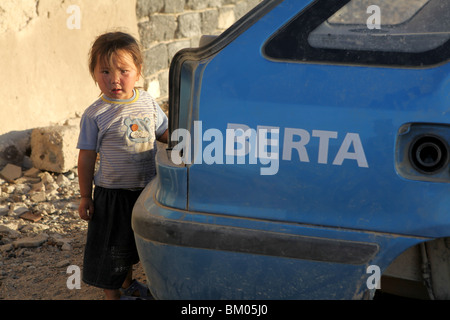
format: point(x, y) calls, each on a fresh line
point(308, 157)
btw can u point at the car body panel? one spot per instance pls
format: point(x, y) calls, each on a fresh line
point(335, 192)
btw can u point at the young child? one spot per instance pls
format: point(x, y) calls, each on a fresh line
point(121, 126)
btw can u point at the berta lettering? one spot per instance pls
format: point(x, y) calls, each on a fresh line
point(243, 144)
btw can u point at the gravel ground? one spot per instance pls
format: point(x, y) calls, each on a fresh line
point(42, 240)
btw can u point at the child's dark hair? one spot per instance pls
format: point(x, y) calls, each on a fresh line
point(107, 45)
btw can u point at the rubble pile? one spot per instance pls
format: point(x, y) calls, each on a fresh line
point(32, 200)
point(42, 236)
point(37, 208)
point(41, 233)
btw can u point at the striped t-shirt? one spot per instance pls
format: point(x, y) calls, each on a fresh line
point(124, 133)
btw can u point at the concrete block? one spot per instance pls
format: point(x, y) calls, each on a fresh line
point(163, 27)
point(196, 4)
point(209, 21)
point(226, 17)
point(174, 6)
point(153, 88)
point(189, 25)
point(158, 28)
point(163, 79)
point(54, 148)
point(156, 59)
point(177, 45)
point(145, 8)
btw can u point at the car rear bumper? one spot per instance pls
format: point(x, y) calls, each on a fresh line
point(183, 228)
point(191, 255)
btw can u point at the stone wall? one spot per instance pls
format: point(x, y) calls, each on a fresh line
point(166, 26)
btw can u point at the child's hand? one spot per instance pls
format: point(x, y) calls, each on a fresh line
point(86, 208)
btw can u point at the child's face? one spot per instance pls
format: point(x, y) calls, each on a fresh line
point(118, 79)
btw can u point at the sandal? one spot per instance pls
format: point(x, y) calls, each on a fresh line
point(140, 288)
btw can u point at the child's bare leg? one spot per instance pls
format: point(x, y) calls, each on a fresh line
point(114, 294)
point(128, 279)
point(111, 294)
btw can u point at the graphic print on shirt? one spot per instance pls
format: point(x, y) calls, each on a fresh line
point(139, 136)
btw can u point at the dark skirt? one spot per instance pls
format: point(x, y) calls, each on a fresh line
point(110, 249)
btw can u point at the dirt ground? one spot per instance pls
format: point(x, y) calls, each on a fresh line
point(43, 273)
point(49, 269)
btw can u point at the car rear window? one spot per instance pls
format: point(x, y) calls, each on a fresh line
point(396, 32)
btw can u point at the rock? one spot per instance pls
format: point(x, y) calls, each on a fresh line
point(19, 209)
point(6, 247)
point(8, 189)
point(4, 209)
point(10, 230)
point(54, 148)
point(45, 206)
point(31, 216)
point(31, 242)
point(63, 263)
point(39, 186)
point(18, 197)
point(66, 247)
point(73, 206)
point(58, 239)
point(62, 180)
point(27, 163)
point(46, 177)
point(64, 244)
point(32, 173)
point(13, 146)
point(22, 189)
point(11, 172)
point(51, 186)
point(70, 175)
point(39, 196)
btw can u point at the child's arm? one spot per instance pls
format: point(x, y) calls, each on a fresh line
point(86, 167)
point(164, 136)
